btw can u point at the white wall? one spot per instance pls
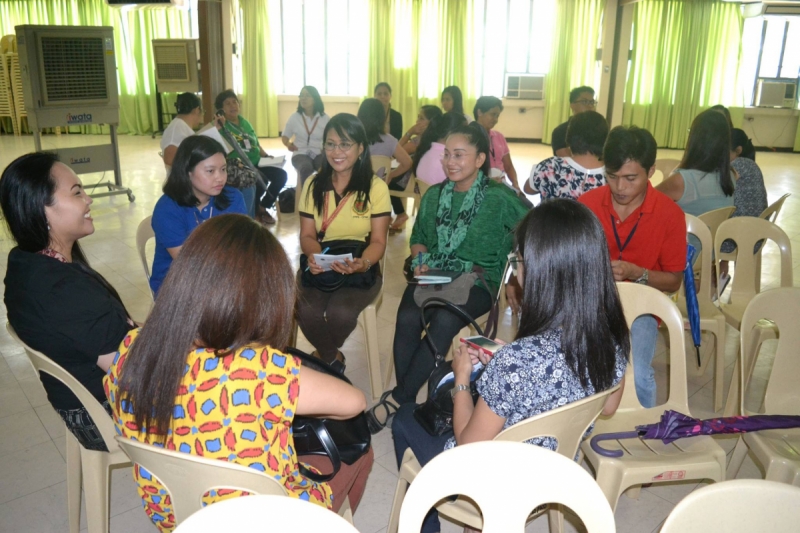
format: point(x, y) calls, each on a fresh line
point(773, 128)
point(521, 119)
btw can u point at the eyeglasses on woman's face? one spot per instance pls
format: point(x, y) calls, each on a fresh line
point(344, 146)
point(514, 260)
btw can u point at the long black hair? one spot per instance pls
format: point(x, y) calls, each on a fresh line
point(431, 111)
point(439, 128)
point(458, 98)
point(372, 116)
point(478, 137)
point(568, 284)
point(349, 128)
point(709, 148)
point(192, 151)
point(26, 187)
point(319, 107)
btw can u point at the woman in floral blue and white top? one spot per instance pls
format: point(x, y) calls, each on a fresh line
point(572, 341)
point(570, 177)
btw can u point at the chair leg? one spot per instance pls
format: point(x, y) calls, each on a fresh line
point(732, 402)
point(633, 492)
point(96, 483)
point(74, 477)
point(369, 322)
point(737, 458)
point(555, 516)
point(346, 512)
point(719, 364)
point(397, 503)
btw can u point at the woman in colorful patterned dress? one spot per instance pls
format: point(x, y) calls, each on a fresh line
point(228, 393)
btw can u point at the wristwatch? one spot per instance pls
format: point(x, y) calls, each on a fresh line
point(644, 277)
point(457, 389)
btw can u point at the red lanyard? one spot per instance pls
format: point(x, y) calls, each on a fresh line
point(312, 127)
point(326, 221)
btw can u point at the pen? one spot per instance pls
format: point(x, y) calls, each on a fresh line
point(419, 259)
point(322, 252)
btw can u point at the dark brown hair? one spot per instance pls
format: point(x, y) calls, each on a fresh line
point(231, 285)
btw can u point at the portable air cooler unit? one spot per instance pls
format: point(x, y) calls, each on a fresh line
point(176, 65)
point(69, 78)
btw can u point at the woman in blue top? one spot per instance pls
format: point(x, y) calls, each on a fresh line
point(572, 341)
point(194, 192)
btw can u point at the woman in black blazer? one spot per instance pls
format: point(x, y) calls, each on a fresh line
point(394, 120)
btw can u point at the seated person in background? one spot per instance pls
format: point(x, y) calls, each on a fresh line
point(273, 177)
point(453, 101)
point(393, 120)
point(646, 236)
point(487, 113)
point(559, 356)
point(371, 114)
point(194, 192)
point(56, 302)
point(410, 141)
point(748, 150)
point(222, 373)
point(704, 180)
point(580, 99)
point(188, 119)
point(306, 127)
point(343, 201)
point(464, 222)
point(427, 165)
point(571, 176)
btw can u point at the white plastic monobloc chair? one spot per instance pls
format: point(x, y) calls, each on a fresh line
point(474, 470)
point(89, 469)
point(187, 477)
point(143, 234)
point(259, 513)
point(737, 506)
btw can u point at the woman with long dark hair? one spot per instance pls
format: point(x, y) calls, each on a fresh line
point(195, 191)
point(225, 390)
point(56, 302)
point(572, 340)
point(453, 101)
point(704, 180)
point(410, 140)
point(393, 120)
point(345, 203)
point(303, 134)
point(465, 222)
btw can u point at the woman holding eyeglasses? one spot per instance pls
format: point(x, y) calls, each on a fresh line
point(466, 221)
point(345, 206)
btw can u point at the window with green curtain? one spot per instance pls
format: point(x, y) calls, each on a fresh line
point(133, 31)
point(573, 57)
point(685, 59)
point(259, 62)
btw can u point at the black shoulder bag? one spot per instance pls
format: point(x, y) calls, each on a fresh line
point(342, 441)
point(436, 414)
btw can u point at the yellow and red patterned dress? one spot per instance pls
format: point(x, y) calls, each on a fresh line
point(235, 408)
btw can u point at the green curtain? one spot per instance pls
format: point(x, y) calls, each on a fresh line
point(685, 59)
point(259, 95)
point(133, 31)
point(572, 59)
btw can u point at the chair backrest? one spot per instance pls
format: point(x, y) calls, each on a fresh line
point(474, 470)
point(567, 424)
point(666, 166)
point(42, 363)
point(383, 162)
point(737, 506)
point(774, 209)
point(746, 232)
point(422, 186)
point(700, 229)
point(259, 513)
point(143, 234)
point(782, 307)
point(716, 217)
point(643, 300)
point(187, 477)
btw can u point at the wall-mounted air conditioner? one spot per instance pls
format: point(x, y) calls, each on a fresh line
point(148, 3)
point(525, 86)
point(177, 69)
point(776, 93)
point(771, 7)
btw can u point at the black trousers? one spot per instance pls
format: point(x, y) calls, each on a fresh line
point(413, 358)
point(397, 202)
point(274, 179)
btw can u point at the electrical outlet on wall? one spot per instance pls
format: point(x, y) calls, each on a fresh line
point(523, 110)
point(749, 119)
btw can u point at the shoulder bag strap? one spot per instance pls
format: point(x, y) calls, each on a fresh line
point(331, 450)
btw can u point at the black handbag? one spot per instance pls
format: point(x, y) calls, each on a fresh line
point(436, 414)
point(331, 280)
point(342, 441)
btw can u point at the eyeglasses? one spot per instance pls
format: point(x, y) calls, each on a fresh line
point(514, 260)
point(585, 102)
point(457, 157)
point(343, 146)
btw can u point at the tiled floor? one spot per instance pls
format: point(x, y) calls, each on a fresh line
point(32, 467)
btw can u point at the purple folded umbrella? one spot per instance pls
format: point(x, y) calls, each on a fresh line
point(675, 425)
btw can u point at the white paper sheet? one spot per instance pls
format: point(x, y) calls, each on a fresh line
point(326, 260)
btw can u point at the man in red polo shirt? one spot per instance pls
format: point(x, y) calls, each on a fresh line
point(646, 234)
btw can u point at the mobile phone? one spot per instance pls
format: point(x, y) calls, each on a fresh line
point(484, 344)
